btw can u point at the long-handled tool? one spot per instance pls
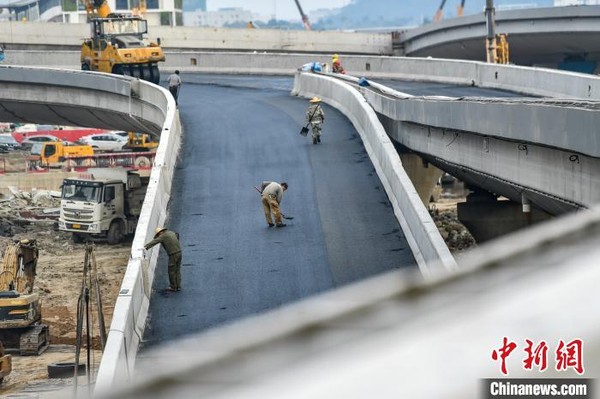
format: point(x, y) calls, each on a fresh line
point(282, 215)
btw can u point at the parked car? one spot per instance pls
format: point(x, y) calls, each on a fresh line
point(31, 140)
point(105, 141)
point(8, 143)
point(121, 133)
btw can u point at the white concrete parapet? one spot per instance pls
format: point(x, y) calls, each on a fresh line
point(131, 308)
point(427, 245)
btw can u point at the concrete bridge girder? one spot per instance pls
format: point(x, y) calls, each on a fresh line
point(64, 98)
point(556, 181)
point(536, 36)
point(502, 149)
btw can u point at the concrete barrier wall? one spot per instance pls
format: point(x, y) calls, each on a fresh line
point(526, 80)
point(569, 126)
point(58, 34)
point(131, 308)
point(33, 181)
point(425, 241)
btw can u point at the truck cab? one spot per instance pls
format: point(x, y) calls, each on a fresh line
point(107, 205)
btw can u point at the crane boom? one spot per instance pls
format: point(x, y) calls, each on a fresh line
point(439, 14)
point(304, 17)
point(461, 8)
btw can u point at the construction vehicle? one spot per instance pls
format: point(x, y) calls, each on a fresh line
point(105, 204)
point(118, 44)
point(21, 328)
point(141, 142)
point(81, 157)
point(56, 154)
point(496, 45)
point(502, 55)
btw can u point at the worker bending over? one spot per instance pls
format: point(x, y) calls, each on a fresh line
point(271, 196)
point(170, 242)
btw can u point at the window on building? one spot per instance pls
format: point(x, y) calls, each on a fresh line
point(152, 4)
point(165, 18)
point(69, 5)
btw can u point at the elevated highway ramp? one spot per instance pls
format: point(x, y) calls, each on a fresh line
point(239, 131)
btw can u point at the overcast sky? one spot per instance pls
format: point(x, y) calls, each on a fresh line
point(282, 9)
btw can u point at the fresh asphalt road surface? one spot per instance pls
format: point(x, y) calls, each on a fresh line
point(238, 132)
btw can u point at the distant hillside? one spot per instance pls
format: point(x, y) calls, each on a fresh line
point(394, 13)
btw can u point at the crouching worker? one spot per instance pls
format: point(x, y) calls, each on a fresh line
point(170, 242)
point(271, 196)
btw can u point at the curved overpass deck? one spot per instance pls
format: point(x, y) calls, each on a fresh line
point(234, 265)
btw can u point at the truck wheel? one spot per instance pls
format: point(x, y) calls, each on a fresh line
point(155, 74)
point(115, 233)
point(88, 162)
point(142, 162)
point(70, 164)
point(85, 66)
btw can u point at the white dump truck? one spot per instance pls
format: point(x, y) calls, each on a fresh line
point(104, 204)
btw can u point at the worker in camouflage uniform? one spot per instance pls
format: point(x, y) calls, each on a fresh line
point(315, 117)
point(170, 242)
point(271, 196)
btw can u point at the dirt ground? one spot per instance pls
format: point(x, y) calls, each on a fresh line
point(58, 282)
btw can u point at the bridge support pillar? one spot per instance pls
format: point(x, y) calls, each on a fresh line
point(487, 218)
point(424, 176)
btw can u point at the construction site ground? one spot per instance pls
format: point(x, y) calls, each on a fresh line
point(58, 282)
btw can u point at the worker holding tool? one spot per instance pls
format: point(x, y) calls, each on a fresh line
point(336, 65)
point(315, 117)
point(170, 242)
point(271, 196)
point(174, 85)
